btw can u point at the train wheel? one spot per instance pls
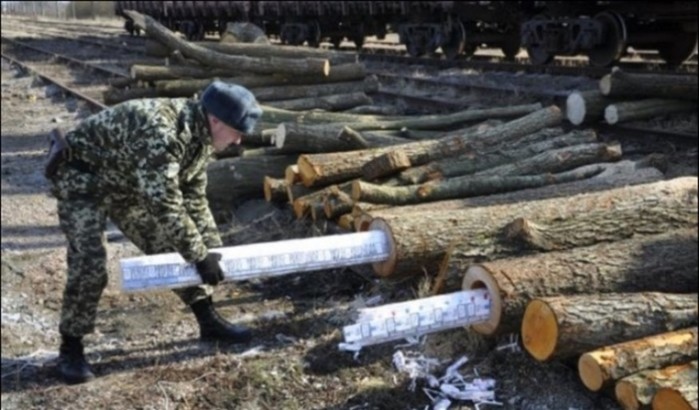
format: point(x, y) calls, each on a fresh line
point(314, 34)
point(456, 41)
point(613, 40)
point(538, 55)
point(681, 49)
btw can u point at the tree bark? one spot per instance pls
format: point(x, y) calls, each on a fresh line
point(682, 396)
point(320, 138)
point(662, 263)
point(294, 191)
point(157, 49)
point(530, 145)
point(644, 109)
point(328, 168)
point(302, 205)
point(600, 368)
point(418, 240)
point(565, 326)
point(174, 72)
point(557, 160)
point(275, 189)
point(291, 174)
point(263, 65)
point(231, 180)
point(621, 84)
point(461, 187)
point(385, 164)
point(586, 106)
point(335, 102)
point(637, 390)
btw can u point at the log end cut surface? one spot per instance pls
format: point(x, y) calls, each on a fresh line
point(670, 399)
point(625, 393)
point(575, 108)
point(590, 372)
point(477, 277)
point(539, 330)
point(387, 267)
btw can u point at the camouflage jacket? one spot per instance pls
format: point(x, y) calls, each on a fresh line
point(155, 151)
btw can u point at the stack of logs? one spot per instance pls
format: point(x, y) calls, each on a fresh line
point(626, 97)
point(290, 78)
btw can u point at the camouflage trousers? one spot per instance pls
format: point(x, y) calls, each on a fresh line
point(82, 216)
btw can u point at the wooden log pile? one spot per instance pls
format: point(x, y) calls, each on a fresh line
point(625, 97)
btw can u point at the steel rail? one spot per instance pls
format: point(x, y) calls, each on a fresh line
point(94, 103)
point(116, 46)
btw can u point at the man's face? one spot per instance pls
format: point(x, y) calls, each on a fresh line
point(223, 135)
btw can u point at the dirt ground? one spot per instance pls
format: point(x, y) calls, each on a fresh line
point(146, 351)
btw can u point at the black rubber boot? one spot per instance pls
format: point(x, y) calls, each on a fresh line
point(213, 327)
point(72, 366)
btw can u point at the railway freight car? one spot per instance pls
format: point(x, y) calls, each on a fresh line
point(602, 30)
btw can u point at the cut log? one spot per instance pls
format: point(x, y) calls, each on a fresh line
point(295, 191)
point(320, 138)
point(261, 138)
point(244, 32)
point(461, 187)
point(417, 240)
point(277, 115)
point(266, 65)
point(113, 96)
point(557, 160)
point(615, 175)
point(354, 139)
point(302, 205)
point(621, 84)
point(637, 390)
point(335, 102)
point(662, 263)
point(681, 397)
point(586, 106)
point(174, 72)
point(291, 174)
point(565, 326)
point(600, 368)
point(231, 180)
point(385, 164)
point(322, 169)
point(530, 145)
point(288, 92)
point(275, 189)
point(337, 203)
point(157, 49)
point(644, 109)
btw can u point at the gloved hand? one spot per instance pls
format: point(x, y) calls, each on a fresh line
point(209, 269)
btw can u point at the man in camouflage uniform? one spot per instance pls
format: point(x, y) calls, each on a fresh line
point(142, 163)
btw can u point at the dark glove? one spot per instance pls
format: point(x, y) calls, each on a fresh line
point(209, 269)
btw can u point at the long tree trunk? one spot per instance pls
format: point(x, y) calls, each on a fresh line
point(231, 180)
point(637, 390)
point(336, 102)
point(600, 368)
point(157, 49)
point(615, 175)
point(263, 65)
point(461, 187)
point(320, 138)
point(546, 139)
point(322, 169)
point(644, 109)
point(663, 263)
point(682, 396)
point(288, 92)
point(621, 84)
point(586, 106)
point(565, 326)
point(277, 115)
point(418, 240)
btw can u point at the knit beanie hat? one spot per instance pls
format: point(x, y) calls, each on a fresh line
point(233, 104)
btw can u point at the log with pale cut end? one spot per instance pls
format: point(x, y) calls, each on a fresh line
point(529, 145)
point(174, 72)
point(302, 205)
point(665, 262)
point(337, 203)
point(621, 84)
point(565, 326)
point(354, 139)
point(385, 164)
point(323, 169)
point(645, 109)
point(346, 221)
point(277, 115)
point(600, 368)
point(291, 174)
point(334, 102)
point(231, 180)
point(294, 191)
point(681, 397)
point(461, 187)
point(637, 390)
point(263, 65)
point(418, 238)
point(275, 189)
point(156, 49)
point(321, 138)
point(586, 106)
point(557, 160)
